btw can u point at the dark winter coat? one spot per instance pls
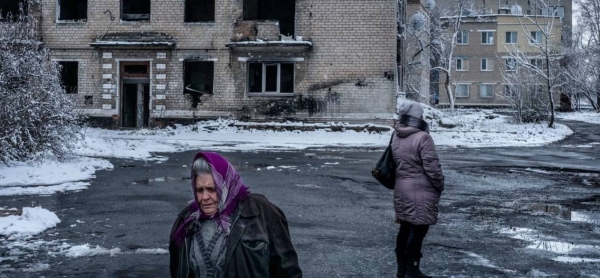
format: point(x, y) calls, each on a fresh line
point(259, 244)
point(419, 178)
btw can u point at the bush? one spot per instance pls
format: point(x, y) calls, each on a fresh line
point(36, 116)
point(533, 116)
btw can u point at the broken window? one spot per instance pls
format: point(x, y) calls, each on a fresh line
point(141, 69)
point(135, 10)
point(199, 10)
point(72, 10)
point(282, 10)
point(88, 100)
point(69, 76)
point(10, 9)
point(271, 78)
point(198, 77)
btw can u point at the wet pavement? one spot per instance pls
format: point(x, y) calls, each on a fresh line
point(506, 212)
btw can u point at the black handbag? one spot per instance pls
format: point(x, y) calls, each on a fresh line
point(385, 169)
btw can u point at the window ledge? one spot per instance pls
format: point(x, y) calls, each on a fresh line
point(270, 94)
point(200, 23)
point(486, 70)
point(70, 22)
point(133, 22)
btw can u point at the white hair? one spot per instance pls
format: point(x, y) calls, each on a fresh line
point(201, 167)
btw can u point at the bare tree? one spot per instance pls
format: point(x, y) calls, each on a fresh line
point(583, 67)
point(36, 116)
point(416, 60)
point(445, 26)
point(543, 58)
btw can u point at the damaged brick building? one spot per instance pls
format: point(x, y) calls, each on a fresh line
point(135, 63)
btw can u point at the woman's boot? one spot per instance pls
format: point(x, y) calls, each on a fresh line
point(413, 270)
point(401, 260)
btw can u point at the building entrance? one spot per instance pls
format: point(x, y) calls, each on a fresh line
point(135, 94)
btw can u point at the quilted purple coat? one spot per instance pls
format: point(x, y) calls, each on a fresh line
point(419, 177)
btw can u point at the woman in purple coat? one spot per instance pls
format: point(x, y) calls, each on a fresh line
point(419, 184)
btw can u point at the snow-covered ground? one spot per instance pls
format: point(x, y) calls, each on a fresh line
point(588, 117)
point(470, 128)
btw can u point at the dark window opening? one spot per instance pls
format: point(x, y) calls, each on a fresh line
point(68, 76)
point(198, 77)
point(11, 9)
point(199, 10)
point(255, 78)
point(287, 78)
point(135, 69)
point(88, 100)
point(135, 10)
point(282, 10)
point(73, 10)
point(271, 77)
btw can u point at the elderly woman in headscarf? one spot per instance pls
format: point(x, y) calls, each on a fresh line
point(227, 232)
point(419, 185)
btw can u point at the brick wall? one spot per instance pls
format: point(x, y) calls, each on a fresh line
point(347, 73)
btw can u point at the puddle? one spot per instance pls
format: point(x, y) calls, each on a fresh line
point(585, 177)
point(539, 241)
point(160, 179)
point(564, 213)
point(308, 185)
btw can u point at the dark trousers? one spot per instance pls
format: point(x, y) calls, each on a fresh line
point(410, 241)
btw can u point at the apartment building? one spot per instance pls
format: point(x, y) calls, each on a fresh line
point(136, 63)
point(485, 41)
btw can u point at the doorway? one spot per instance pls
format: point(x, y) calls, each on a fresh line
point(135, 94)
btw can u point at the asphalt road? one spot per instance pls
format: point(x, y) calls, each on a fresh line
point(341, 220)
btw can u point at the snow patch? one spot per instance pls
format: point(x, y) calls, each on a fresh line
point(566, 259)
point(32, 222)
point(51, 172)
point(43, 190)
point(86, 251)
point(153, 251)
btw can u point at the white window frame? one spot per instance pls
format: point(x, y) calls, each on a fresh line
point(509, 90)
point(516, 34)
point(489, 64)
point(489, 39)
point(264, 79)
point(481, 86)
point(464, 35)
point(464, 62)
point(456, 85)
point(536, 37)
point(537, 62)
point(506, 64)
point(557, 11)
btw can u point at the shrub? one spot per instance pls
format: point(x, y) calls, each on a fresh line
point(36, 116)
